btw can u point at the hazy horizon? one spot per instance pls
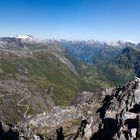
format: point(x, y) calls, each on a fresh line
point(61, 39)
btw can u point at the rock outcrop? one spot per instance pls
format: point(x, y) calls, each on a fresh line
point(120, 113)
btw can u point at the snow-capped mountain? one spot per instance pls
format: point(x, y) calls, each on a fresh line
point(121, 43)
point(24, 37)
point(27, 38)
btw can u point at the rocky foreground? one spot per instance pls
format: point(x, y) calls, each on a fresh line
point(111, 115)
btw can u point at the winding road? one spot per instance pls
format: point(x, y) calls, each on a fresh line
point(23, 105)
point(19, 103)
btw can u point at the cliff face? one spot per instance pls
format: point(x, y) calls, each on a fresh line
point(111, 115)
point(120, 113)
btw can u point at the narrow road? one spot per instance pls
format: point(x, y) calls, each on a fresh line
point(26, 106)
point(19, 103)
point(1, 96)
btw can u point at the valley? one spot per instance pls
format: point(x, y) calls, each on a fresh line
point(49, 84)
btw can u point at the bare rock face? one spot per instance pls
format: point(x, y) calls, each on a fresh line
point(116, 116)
point(85, 97)
point(120, 113)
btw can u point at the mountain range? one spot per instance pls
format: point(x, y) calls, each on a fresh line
point(55, 71)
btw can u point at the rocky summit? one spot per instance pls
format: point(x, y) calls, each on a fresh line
point(113, 114)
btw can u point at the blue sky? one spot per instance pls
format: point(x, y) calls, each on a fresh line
point(107, 20)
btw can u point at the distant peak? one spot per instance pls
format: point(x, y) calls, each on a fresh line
point(24, 37)
point(126, 41)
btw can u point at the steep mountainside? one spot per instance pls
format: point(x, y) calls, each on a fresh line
point(95, 52)
point(120, 69)
point(106, 75)
point(34, 79)
point(105, 72)
point(129, 58)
